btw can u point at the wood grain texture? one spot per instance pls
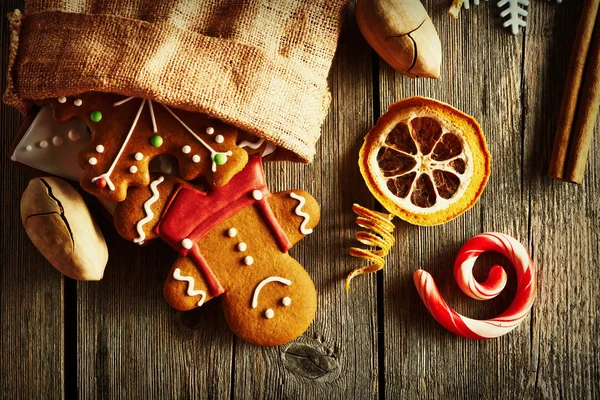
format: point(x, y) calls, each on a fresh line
point(343, 337)
point(564, 228)
point(119, 338)
point(31, 291)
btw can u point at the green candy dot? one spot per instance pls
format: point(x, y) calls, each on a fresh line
point(220, 159)
point(156, 141)
point(96, 116)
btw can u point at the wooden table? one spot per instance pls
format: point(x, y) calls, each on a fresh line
point(118, 337)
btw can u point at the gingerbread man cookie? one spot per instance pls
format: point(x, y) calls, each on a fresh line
point(233, 243)
point(127, 133)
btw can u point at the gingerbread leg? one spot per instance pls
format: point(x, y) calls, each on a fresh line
point(274, 309)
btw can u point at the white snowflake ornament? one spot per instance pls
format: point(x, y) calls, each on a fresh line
point(515, 12)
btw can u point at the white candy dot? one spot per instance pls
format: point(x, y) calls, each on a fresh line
point(232, 232)
point(28, 148)
point(73, 135)
point(286, 301)
point(219, 139)
point(248, 260)
point(133, 169)
point(269, 313)
point(62, 99)
point(57, 141)
point(257, 194)
point(78, 102)
point(186, 149)
point(196, 158)
point(43, 144)
point(93, 161)
point(242, 246)
point(139, 156)
point(210, 130)
point(187, 243)
point(100, 148)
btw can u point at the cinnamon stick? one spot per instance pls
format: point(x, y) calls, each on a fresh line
point(587, 112)
point(579, 54)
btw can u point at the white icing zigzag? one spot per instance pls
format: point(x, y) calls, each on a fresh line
point(190, 290)
point(301, 213)
point(149, 213)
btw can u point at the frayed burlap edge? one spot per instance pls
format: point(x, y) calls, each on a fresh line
point(24, 83)
point(10, 97)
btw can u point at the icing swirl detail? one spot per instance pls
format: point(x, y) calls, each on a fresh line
point(298, 211)
point(190, 289)
point(149, 214)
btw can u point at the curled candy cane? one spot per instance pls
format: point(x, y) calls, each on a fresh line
point(493, 285)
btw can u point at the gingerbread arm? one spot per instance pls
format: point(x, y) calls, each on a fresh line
point(136, 216)
point(297, 212)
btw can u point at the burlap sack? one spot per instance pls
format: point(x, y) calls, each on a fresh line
point(258, 64)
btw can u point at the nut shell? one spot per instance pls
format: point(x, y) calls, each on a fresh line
point(61, 227)
point(402, 33)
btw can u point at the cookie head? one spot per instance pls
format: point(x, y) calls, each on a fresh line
point(127, 133)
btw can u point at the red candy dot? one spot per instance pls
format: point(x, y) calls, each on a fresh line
point(101, 183)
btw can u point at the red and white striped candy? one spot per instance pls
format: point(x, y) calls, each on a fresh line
point(494, 284)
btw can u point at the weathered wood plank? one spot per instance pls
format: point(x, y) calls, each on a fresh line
point(565, 227)
point(337, 357)
point(131, 344)
point(31, 291)
point(481, 75)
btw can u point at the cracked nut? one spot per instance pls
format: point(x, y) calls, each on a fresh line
point(402, 33)
point(60, 225)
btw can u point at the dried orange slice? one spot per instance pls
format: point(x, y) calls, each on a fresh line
point(425, 161)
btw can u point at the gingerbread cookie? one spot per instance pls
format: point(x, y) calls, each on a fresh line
point(127, 133)
point(234, 243)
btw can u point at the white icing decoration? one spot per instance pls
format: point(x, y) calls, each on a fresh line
point(107, 174)
point(43, 144)
point(154, 127)
point(57, 141)
point(269, 313)
point(286, 301)
point(93, 161)
point(301, 213)
point(133, 169)
point(210, 130)
point(219, 139)
point(232, 232)
point(248, 260)
point(270, 279)
point(257, 194)
point(213, 153)
point(242, 246)
point(120, 102)
point(73, 135)
point(62, 99)
point(196, 158)
point(78, 102)
point(100, 148)
point(190, 289)
point(28, 148)
point(187, 243)
point(149, 214)
point(186, 149)
point(139, 156)
point(251, 145)
point(269, 148)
